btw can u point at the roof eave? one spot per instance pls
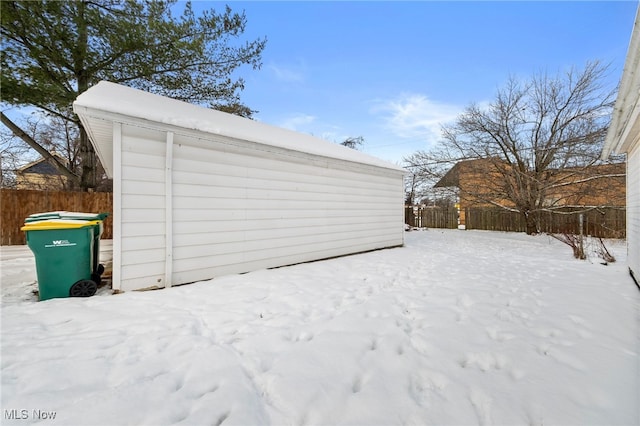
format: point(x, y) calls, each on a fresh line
point(626, 110)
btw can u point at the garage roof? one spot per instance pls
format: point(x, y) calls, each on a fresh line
point(107, 102)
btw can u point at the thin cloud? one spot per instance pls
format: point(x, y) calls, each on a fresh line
point(297, 122)
point(287, 74)
point(414, 116)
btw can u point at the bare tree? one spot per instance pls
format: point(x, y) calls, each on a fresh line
point(353, 142)
point(423, 174)
point(533, 144)
point(12, 153)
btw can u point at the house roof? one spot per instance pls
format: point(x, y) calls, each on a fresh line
point(41, 167)
point(624, 130)
point(452, 177)
point(108, 102)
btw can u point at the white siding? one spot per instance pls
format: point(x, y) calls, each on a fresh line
point(236, 208)
point(142, 213)
point(633, 211)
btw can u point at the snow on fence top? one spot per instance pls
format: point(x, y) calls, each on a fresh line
point(125, 102)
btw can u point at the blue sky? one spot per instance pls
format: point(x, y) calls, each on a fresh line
point(392, 72)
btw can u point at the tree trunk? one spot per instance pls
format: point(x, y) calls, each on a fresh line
point(531, 223)
point(88, 179)
point(88, 160)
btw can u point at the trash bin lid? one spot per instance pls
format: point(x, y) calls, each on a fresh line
point(49, 224)
point(57, 213)
point(61, 214)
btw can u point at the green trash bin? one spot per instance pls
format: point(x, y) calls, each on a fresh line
point(65, 260)
point(98, 229)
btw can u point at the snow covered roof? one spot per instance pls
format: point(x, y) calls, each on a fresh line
point(120, 102)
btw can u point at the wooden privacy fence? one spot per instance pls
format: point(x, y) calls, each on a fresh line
point(16, 205)
point(604, 222)
point(431, 217)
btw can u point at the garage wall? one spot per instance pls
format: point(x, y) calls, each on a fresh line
point(142, 200)
point(238, 206)
point(235, 211)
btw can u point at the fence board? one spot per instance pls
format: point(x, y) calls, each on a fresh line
point(16, 205)
point(603, 222)
point(431, 217)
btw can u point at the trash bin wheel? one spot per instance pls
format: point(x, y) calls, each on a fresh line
point(97, 274)
point(83, 288)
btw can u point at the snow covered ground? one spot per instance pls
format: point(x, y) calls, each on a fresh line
point(457, 327)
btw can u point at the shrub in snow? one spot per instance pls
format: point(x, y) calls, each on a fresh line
point(584, 247)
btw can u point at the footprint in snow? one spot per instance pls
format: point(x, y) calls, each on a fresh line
point(482, 404)
point(222, 418)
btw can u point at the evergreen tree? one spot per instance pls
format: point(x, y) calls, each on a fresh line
point(54, 50)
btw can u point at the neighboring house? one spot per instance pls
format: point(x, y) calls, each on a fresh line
point(199, 193)
point(479, 184)
point(624, 137)
point(41, 175)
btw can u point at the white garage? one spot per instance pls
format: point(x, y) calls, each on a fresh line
point(200, 193)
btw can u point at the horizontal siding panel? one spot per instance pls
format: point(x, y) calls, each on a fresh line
point(146, 146)
point(236, 203)
point(142, 215)
point(141, 283)
point(254, 214)
point(142, 256)
point(143, 229)
point(145, 174)
point(198, 215)
point(137, 132)
point(194, 263)
point(206, 238)
point(143, 270)
point(207, 251)
point(299, 195)
point(289, 227)
point(134, 160)
point(146, 282)
point(292, 193)
point(137, 187)
point(207, 273)
point(148, 242)
point(139, 201)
